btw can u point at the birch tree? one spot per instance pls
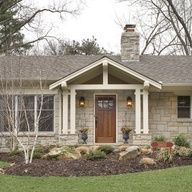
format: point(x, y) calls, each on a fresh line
point(21, 112)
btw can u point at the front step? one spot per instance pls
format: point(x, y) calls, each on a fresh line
point(141, 139)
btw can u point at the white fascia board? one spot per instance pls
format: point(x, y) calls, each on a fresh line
point(111, 62)
point(77, 73)
point(176, 84)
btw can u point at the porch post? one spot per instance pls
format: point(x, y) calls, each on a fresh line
point(138, 111)
point(73, 111)
point(145, 112)
point(105, 73)
point(65, 111)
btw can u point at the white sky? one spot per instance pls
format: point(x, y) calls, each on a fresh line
point(98, 18)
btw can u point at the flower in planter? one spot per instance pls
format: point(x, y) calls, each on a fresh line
point(83, 130)
point(126, 130)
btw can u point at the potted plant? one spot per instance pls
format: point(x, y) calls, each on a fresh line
point(84, 134)
point(126, 130)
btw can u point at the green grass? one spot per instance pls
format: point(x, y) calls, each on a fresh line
point(3, 164)
point(169, 180)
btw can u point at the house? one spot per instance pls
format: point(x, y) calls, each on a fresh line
point(150, 94)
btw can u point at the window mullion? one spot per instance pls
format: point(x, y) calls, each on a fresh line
point(16, 114)
point(35, 114)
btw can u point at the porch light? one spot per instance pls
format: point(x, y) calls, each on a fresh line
point(129, 102)
point(82, 102)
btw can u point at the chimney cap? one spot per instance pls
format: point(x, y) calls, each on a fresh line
point(129, 27)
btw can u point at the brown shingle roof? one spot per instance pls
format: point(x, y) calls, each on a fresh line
point(168, 69)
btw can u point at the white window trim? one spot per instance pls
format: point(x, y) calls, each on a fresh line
point(16, 110)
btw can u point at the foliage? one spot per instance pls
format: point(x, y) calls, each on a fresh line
point(126, 130)
point(181, 141)
point(159, 138)
point(40, 151)
point(11, 39)
point(15, 152)
point(95, 155)
point(107, 149)
point(3, 164)
point(182, 152)
point(164, 155)
point(84, 130)
point(87, 46)
point(174, 179)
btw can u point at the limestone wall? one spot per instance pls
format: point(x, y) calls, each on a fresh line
point(163, 116)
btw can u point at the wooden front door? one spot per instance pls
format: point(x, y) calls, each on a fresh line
point(105, 118)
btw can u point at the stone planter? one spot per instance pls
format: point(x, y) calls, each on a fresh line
point(84, 137)
point(125, 137)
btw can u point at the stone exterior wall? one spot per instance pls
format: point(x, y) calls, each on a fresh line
point(163, 117)
point(162, 120)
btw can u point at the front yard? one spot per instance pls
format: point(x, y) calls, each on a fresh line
point(174, 179)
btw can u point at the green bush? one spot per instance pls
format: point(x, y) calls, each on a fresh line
point(183, 152)
point(97, 154)
point(15, 152)
point(181, 141)
point(159, 138)
point(165, 155)
point(107, 149)
point(40, 151)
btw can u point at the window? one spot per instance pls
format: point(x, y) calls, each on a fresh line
point(26, 115)
point(7, 113)
point(45, 107)
point(23, 111)
point(184, 106)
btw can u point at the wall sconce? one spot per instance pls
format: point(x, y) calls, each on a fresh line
point(82, 102)
point(129, 102)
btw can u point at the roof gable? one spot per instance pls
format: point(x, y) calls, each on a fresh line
point(111, 62)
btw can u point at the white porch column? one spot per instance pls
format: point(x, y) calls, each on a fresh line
point(105, 73)
point(73, 111)
point(65, 111)
point(138, 111)
point(145, 112)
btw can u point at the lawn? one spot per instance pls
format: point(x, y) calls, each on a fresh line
point(170, 180)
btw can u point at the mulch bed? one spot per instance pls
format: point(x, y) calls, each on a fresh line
point(82, 167)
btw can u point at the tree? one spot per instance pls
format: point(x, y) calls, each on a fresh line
point(10, 42)
point(87, 46)
point(166, 26)
point(23, 115)
point(16, 15)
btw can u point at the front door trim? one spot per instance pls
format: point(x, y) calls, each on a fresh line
point(116, 126)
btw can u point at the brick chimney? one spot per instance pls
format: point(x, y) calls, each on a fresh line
point(129, 44)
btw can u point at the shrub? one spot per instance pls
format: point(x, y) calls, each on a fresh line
point(165, 155)
point(15, 152)
point(97, 154)
point(107, 149)
point(181, 141)
point(182, 152)
point(40, 151)
point(159, 138)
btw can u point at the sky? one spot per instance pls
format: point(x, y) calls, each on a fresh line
point(99, 18)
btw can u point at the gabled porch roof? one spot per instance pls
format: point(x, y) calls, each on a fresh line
point(105, 61)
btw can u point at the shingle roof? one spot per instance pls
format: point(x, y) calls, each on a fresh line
point(168, 69)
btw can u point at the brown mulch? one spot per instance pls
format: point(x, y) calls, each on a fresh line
point(82, 167)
